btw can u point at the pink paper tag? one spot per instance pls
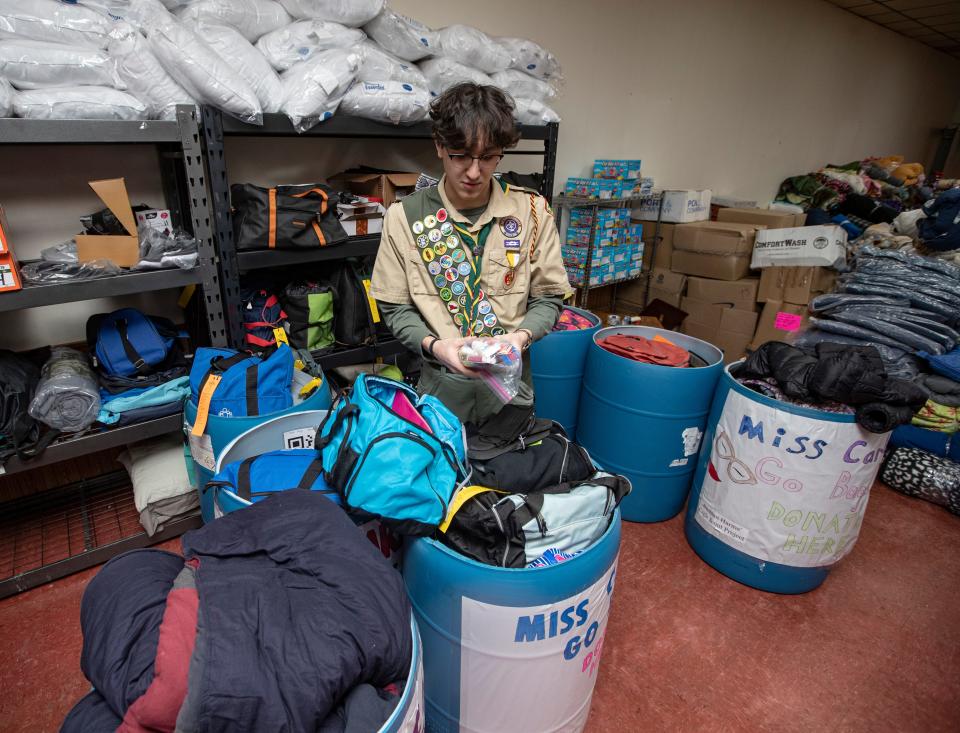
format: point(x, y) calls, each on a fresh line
point(787, 321)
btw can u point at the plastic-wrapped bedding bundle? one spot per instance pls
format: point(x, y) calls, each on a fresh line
point(299, 41)
point(402, 36)
point(917, 473)
point(247, 61)
point(532, 112)
point(252, 18)
point(199, 69)
point(68, 395)
point(6, 98)
point(78, 103)
point(353, 13)
point(443, 73)
point(525, 55)
point(145, 78)
point(312, 90)
point(38, 64)
point(472, 47)
point(391, 102)
point(50, 20)
point(524, 86)
point(380, 65)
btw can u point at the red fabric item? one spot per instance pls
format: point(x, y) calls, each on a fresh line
point(156, 710)
point(646, 350)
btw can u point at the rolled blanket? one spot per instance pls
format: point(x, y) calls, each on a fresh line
point(935, 416)
point(67, 396)
point(917, 473)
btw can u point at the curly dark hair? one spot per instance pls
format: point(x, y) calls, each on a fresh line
point(468, 113)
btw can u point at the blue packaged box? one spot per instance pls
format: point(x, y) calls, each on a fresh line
point(606, 218)
point(619, 169)
point(580, 236)
point(585, 187)
point(612, 188)
point(634, 234)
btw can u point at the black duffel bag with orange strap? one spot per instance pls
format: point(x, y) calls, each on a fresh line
point(285, 217)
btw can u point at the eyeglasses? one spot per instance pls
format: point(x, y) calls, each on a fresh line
point(462, 160)
point(737, 471)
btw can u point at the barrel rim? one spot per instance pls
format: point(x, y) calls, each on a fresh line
point(403, 704)
point(716, 355)
point(584, 312)
point(788, 407)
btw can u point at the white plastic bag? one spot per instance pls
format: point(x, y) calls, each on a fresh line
point(534, 112)
point(379, 65)
point(56, 22)
point(248, 62)
point(78, 103)
point(520, 85)
point(401, 36)
point(6, 98)
point(299, 41)
point(353, 13)
point(391, 102)
point(252, 18)
point(312, 90)
point(145, 78)
point(133, 12)
point(532, 58)
point(443, 73)
point(200, 70)
point(38, 64)
point(472, 47)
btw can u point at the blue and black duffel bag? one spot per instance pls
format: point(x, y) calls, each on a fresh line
point(128, 343)
point(248, 384)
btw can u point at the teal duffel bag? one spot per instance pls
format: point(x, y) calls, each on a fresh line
point(393, 454)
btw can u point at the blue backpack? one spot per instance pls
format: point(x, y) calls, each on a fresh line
point(399, 467)
point(128, 343)
point(248, 385)
point(257, 477)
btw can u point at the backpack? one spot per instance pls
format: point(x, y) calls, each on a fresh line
point(127, 343)
point(355, 324)
point(393, 454)
point(285, 217)
point(513, 530)
point(20, 434)
point(310, 315)
point(248, 384)
point(261, 314)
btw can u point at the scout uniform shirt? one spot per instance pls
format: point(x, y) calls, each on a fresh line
point(426, 258)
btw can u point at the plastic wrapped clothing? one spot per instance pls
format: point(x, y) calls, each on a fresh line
point(312, 90)
point(918, 300)
point(532, 58)
point(898, 362)
point(67, 397)
point(6, 98)
point(391, 102)
point(175, 391)
point(945, 445)
point(532, 112)
point(380, 65)
point(940, 230)
point(472, 47)
point(353, 13)
point(404, 37)
point(44, 272)
point(78, 103)
point(53, 21)
point(943, 390)
point(145, 78)
point(910, 336)
point(520, 85)
point(299, 41)
point(925, 476)
point(251, 18)
point(247, 61)
point(952, 272)
point(199, 69)
point(443, 73)
point(39, 64)
point(947, 364)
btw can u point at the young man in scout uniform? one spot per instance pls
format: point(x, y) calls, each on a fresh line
point(471, 257)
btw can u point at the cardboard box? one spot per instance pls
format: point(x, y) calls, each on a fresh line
point(387, 186)
point(719, 250)
point(720, 316)
point(732, 344)
point(362, 217)
point(664, 249)
point(821, 246)
point(122, 250)
point(779, 321)
point(740, 294)
point(719, 267)
point(158, 219)
point(667, 286)
point(798, 285)
point(678, 206)
point(770, 219)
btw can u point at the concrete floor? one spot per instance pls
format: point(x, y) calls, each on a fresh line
point(876, 648)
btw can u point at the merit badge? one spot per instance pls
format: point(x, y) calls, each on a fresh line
point(446, 262)
point(453, 242)
point(428, 255)
point(418, 227)
point(478, 326)
point(429, 221)
point(508, 278)
point(512, 259)
point(484, 307)
point(445, 294)
point(435, 235)
point(440, 281)
point(463, 268)
point(441, 215)
point(458, 255)
point(458, 319)
point(453, 307)
point(511, 244)
point(490, 320)
point(498, 331)
point(450, 274)
point(434, 268)
point(422, 241)
point(458, 288)
point(440, 249)
point(510, 226)
point(462, 300)
point(446, 229)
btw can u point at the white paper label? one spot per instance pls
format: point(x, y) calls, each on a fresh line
point(691, 440)
point(299, 438)
point(787, 488)
point(511, 658)
point(201, 448)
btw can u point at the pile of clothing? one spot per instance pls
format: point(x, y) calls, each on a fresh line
point(279, 617)
point(573, 320)
point(657, 350)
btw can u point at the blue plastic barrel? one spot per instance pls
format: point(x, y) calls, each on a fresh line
point(645, 421)
point(784, 483)
point(556, 364)
point(510, 650)
point(221, 430)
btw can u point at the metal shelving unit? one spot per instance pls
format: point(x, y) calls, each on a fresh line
point(362, 246)
point(88, 132)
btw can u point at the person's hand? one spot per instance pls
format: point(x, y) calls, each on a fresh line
point(518, 339)
point(446, 351)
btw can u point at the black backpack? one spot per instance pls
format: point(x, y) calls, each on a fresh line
point(285, 217)
point(20, 434)
point(354, 324)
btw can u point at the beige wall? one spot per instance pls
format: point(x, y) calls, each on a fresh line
point(722, 94)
